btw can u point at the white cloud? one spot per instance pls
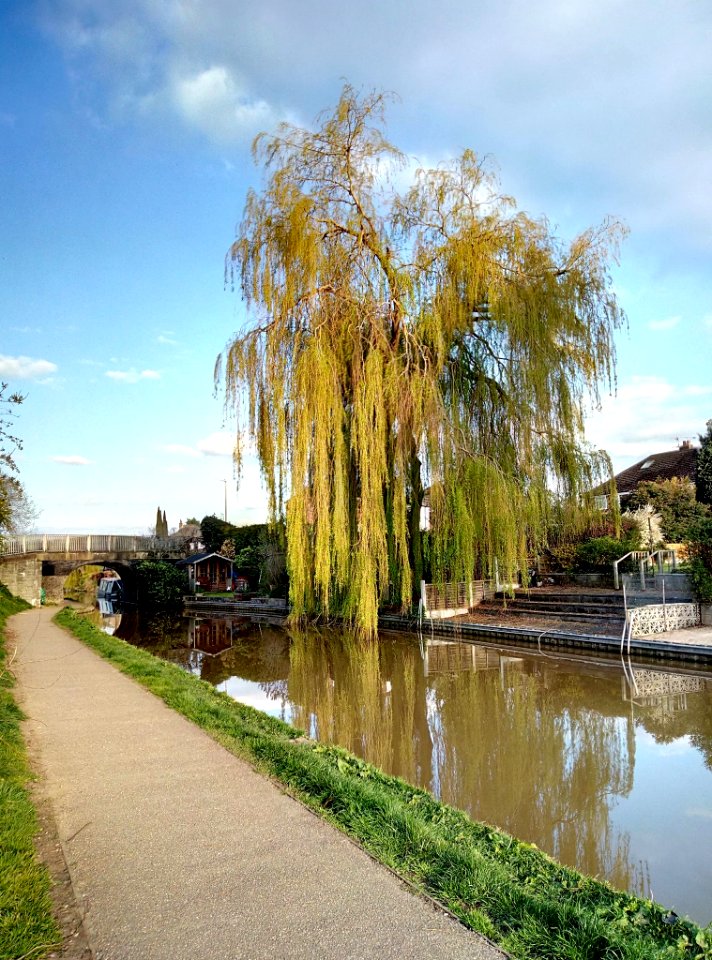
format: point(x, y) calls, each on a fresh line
point(25, 368)
point(668, 324)
point(647, 415)
point(132, 375)
point(218, 444)
point(586, 91)
point(72, 461)
point(181, 449)
point(215, 102)
point(164, 339)
point(697, 390)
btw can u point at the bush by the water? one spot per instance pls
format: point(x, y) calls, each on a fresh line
point(160, 583)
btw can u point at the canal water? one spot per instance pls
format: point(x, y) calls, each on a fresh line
point(605, 765)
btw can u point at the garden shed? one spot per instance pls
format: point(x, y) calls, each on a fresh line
point(208, 571)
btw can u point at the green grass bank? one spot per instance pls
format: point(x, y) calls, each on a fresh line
point(520, 898)
point(27, 926)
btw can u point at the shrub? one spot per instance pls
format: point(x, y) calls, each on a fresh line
point(598, 554)
point(160, 583)
point(699, 552)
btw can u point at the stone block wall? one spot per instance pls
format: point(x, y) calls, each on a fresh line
point(23, 577)
point(54, 588)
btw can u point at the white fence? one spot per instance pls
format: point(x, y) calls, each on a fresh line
point(84, 543)
point(661, 617)
point(441, 600)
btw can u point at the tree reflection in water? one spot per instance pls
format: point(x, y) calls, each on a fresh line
point(540, 754)
point(541, 746)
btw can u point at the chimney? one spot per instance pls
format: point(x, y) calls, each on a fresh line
point(686, 445)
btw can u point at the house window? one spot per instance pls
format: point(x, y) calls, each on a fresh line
point(648, 463)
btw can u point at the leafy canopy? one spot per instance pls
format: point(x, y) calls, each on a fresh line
point(704, 466)
point(434, 337)
point(674, 501)
point(17, 511)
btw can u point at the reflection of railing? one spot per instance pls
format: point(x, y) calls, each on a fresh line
point(84, 543)
point(658, 561)
point(448, 599)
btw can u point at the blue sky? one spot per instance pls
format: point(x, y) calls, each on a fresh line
point(125, 131)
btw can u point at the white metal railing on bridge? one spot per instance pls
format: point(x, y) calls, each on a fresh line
point(84, 543)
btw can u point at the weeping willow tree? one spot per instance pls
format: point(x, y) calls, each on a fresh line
point(434, 338)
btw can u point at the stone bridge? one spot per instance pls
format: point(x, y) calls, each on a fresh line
point(43, 561)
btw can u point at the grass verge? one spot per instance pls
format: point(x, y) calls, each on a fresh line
point(517, 896)
point(27, 926)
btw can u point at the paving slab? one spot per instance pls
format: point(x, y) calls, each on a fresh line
point(177, 850)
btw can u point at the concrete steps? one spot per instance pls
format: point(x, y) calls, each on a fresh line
point(599, 607)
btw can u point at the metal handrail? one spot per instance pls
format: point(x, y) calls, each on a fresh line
point(656, 558)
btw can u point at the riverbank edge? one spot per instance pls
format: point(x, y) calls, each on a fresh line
point(27, 924)
point(515, 895)
point(469, 632)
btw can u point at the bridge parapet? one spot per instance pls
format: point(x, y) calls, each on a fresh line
point(70, 543)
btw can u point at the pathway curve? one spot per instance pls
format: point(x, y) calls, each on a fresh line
point(177, 849)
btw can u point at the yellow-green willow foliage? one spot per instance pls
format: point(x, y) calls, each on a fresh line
point(432, 338)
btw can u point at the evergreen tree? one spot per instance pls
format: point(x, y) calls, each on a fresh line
point(434, 338)
point(704, 466)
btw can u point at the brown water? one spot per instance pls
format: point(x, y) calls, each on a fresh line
point(606, 767)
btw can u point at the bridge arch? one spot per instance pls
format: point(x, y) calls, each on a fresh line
point(55, 573)
point(22, 559)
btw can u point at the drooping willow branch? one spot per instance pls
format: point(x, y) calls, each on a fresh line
point(435, 339)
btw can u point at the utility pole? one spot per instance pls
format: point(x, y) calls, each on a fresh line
point(225, 482)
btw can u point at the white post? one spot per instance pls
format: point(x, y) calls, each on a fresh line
point(641, 566)
point(424, 597)
point(664, 606)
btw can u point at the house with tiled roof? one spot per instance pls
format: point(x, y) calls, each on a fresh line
point(680, 463)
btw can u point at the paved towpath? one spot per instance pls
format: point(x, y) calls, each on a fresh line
point(179, 850)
